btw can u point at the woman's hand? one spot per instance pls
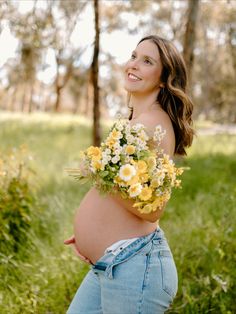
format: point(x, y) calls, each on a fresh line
point(70, 241)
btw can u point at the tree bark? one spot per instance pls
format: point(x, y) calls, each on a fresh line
point(30, 106)
point(231, 34)
point(60, 85)
point(24, 97)
point(95, 69)
point(190, 35)
point(13, 98)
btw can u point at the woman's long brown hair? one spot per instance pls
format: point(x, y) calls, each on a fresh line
point(173, 97)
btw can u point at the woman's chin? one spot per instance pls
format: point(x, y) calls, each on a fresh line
point(130, 90)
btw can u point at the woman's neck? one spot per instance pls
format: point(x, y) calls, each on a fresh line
point(142, 105)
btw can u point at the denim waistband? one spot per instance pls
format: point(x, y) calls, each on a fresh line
point(108, 260)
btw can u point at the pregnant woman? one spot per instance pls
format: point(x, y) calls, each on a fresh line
point(132, 267)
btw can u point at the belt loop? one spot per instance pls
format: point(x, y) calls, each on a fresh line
point(108, 271)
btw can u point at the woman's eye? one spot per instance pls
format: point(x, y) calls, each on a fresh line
point(132, 56)
point(147, 61)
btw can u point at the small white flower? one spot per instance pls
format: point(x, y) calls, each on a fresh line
point(158, 128)
point(117, 151)
point(137, 127)
point(127, 159)
point(119, 127)
point(144, 135)
point(159, 133)
point(127, 172)
point(107, 151)
point(127, 129)
point(135, 189)
point(104, 163)
point(116, 145)
point(114, 160)
point(130, 139)
point(106, 157)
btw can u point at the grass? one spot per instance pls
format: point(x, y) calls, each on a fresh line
point(198, 222)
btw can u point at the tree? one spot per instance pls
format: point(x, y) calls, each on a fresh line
point(94, 78)
point(31, 29)
point(65, 53)
point(190, 36)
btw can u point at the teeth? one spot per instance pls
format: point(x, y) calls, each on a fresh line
point(134, 77)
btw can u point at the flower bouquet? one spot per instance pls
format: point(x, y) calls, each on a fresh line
point(127, 162)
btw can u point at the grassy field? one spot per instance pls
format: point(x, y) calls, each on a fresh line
point(199, 221)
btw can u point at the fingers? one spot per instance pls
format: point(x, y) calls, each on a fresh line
point(70, 240)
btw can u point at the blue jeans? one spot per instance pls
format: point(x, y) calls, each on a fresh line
point(140, 279)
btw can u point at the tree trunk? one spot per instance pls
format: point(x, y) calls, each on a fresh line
point(189, 37)
point(13, 97)
point(96, 112)
point(231, 34)
point(31, 98)
point(58, 98)
point(60, 85)
point(24, 97)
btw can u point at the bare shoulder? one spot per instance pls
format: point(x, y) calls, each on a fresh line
point(160, 117)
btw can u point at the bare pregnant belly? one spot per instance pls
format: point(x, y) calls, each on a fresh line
point(100, 221)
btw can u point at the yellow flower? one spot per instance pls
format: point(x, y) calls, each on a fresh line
point(168, 169)
point(110, 142)
point(138, 204)
point(177, 183)
point(144, 177)
point(151, 161)
point(155, 182)
point(115, 135)
point(118, 180)
point(166, 159)
point(133, 162)
point(158, 203)
point(179, 171)
point(147, 209)
point(133, 180)
point(94, 153)
point(96, 164)
point(135, 190)
point(142, 166)
point(143, 135)
point(145, 194)
point(127, 172)
point(130, 149)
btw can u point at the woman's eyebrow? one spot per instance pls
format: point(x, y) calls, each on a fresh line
point(146, 56)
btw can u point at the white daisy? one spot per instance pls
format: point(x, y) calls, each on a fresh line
point(126, 172)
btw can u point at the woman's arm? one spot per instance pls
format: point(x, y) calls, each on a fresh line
point(150, 122)
point(127, 204)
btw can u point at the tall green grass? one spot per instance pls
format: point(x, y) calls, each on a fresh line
point(198, 221)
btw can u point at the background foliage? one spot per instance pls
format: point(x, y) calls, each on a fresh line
point(48, 29)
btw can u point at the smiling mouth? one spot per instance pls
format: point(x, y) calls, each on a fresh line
point(133, 77)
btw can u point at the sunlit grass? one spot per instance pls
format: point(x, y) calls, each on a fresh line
point(198, 222)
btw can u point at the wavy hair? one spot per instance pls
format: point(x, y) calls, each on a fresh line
point(173, 97)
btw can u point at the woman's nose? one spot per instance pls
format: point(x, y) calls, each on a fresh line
point(134, 64)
